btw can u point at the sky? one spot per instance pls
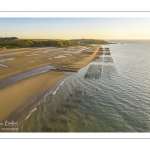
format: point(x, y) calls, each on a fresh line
point(75, 28)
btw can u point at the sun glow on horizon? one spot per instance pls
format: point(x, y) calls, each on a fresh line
point(75, 28)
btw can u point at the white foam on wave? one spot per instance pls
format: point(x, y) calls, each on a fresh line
point(30, 113)
point(62, 83)
point(53, 92)
point(41, 102)
point(33, 110)
point(56, 90)
point(45, 97)
point(59, 86)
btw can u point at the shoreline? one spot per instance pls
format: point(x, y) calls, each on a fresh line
point(17, 96)
point(42, 98)
point(30, 95)
point(22, 112)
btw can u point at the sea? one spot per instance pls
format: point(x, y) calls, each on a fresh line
point(110, 94)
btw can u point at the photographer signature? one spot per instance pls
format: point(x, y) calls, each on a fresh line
point(12, 123)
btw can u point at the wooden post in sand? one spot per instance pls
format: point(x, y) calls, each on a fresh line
point(83, 123)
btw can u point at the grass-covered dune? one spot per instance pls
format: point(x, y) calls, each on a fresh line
point(14, 42)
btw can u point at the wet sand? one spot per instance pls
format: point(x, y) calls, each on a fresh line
point(19, 95)
point(22, 95)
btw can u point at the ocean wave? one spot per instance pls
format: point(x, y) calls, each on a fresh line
point(30, 113)
point(56, 90)
point(33, 110)
point(59, 86)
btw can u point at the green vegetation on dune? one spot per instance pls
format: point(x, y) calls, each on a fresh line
point(90, 41)
point(14, 42)
point(21, 43)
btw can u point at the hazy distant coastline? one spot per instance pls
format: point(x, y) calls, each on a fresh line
point(14, 42)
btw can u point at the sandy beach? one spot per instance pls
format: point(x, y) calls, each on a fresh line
point(19, 98)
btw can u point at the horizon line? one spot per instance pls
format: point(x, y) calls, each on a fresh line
point(74, 38)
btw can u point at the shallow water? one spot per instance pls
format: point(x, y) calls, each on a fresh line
point(3, 66)
point(78, 51)
point(115, 97)
point(12, 79)
point(5, 59)
point(43, 51)
point(59, 56)
point(32, 55)
point(68, 54)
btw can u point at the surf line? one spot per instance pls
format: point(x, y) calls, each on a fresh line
point(59, 86)
point(44, 98)
point(28, 116)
